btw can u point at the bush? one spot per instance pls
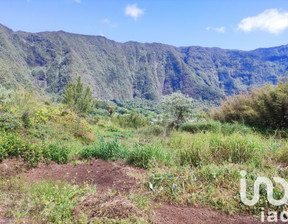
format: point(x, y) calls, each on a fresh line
point(132, 120)
point(263, 108)
point(56, 153)
point(13, 145)
point(80, 130)
point(9, 122)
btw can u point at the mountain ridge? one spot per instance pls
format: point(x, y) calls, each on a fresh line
point(47, 61)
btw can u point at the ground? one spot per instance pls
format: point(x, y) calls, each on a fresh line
point(121, 178)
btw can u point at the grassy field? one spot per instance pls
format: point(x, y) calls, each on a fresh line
point(199, 164)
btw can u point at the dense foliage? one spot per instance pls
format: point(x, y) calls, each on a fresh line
point(49, 61)
point(178, 107)
point(77, 98)
point(265, 108)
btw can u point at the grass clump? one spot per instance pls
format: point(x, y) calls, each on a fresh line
point(106, 150)
point(142, 156)
point(150, 155)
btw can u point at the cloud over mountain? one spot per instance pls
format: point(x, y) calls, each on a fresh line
point(271, 20)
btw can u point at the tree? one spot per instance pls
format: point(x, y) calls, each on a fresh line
point(76, 98)
point(178, 107)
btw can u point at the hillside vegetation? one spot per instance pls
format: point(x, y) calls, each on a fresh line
point(263, 108)
point(198, 164)
point(47, 61)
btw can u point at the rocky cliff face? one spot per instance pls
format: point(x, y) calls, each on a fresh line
point(48, 61)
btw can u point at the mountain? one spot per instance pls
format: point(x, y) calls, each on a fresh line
point(47, 61)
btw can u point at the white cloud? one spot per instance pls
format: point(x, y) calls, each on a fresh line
point(220, 29)
point(78, 1)
point(134, 11)
point(271, 20)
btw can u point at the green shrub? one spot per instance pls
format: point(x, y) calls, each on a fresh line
point(132, 120)
point(9, 122)
point(56, 153)
point(113, 128)
point(81, 130)
point(13, 145)
point(263, 108)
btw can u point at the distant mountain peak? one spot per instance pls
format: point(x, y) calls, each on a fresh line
point(47, 61)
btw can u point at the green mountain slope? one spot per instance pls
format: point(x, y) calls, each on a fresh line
point(47, 61)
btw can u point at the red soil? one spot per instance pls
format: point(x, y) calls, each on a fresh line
point(110, 175)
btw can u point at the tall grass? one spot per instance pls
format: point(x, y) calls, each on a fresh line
point(216, 126)
point(106, 150)
point(146, 156)
point(205, 148)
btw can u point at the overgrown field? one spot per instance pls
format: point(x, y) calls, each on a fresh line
point(198, 164)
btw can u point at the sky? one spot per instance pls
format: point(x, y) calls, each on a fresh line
point(228, 24)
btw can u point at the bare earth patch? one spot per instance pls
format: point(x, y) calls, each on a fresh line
point(110, 175)
point(174, 214)
point(12, 167)
point(105, 175)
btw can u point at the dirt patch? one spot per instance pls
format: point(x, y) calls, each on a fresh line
point(110, 175)
point(105, 175)
point(12, 167)
point(174, 214)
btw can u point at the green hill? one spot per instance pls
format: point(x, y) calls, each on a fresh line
point(47, 61)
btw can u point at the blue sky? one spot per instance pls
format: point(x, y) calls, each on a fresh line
point(229, 24)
